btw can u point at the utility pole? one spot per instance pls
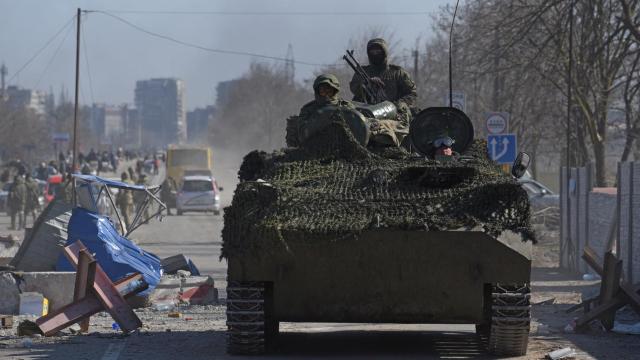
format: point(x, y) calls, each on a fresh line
point(569, 82)
point(415, 65)
point(74, 163)
point(289, 65)
point(3, 74)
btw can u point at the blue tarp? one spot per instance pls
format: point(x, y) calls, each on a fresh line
point(117, 255)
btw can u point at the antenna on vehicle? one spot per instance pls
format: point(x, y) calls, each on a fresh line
point(455, 11)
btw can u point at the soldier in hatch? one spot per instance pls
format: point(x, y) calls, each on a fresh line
point(393, 79)
point(325, 89)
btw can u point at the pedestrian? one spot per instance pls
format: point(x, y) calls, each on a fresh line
point(16, 200)
point(139, 197)
point(124, 201)
point(167, 195)
point(32, 205)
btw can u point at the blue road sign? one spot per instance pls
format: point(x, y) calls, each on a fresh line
point(502, 148)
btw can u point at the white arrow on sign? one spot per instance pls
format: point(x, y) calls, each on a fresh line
point(505, 148)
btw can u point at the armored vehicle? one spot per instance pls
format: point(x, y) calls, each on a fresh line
point(334, 231)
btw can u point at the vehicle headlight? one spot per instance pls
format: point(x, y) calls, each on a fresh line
point(217, 197)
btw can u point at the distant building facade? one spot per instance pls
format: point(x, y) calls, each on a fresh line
point(198, 122)
point(26, 99)
point(161, 112)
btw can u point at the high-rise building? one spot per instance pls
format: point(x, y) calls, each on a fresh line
point(160, 105)
point(198, 122)
point(108, 122)
point(26, 99)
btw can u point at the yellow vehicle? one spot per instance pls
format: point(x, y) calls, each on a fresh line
point(196, 160)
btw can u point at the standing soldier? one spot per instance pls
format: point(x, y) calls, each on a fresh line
point(166, 194)
point(17, 200)
point(124, 201)
point(139, 196)
point(393, 79)
point(33, 193)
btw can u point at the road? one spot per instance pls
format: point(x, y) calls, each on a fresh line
point(203, 336)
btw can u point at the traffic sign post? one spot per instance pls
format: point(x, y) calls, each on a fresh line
point(502, 148)
point(497, 122)
point(458, 100)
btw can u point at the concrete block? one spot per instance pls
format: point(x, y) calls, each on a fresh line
point(56, 286)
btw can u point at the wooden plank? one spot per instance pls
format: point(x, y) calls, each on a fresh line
point(84, 308)
point(107, 294)
point(85, 275)
point(631, 292)
point(592, 259)
point(610, 286)
point(611, 306)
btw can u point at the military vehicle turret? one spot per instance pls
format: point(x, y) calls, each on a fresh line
point(333, 231)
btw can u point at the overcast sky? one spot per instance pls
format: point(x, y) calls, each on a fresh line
point(118, 55)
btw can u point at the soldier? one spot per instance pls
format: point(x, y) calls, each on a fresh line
point(166, 195)
point(139, 197)
point(325, 88)
point(394, 80)
point(33, 193)
point(124, 201)
point(16, 200)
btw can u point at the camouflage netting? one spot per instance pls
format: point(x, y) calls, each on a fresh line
point(333, 187)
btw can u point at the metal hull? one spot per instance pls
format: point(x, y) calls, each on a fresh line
point(387, 276)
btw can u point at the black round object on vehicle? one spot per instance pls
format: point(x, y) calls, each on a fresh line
point(437, 122)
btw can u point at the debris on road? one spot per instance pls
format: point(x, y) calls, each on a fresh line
point(116, 254)
point(105, 295)
point(176, 289)
point(633, 329)
point(57, 287)
point(6, 321)
point(172, 264)
point(33, 303)
point(28, 328)
point(43, 245)
point(564, 353)
point(545, 302)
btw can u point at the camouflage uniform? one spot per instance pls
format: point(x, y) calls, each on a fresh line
point(398, 87)
point(139, 197)
point(17, 200)
point(32, 204)
point(296, 123)
point(166, 195)
point(124, 201)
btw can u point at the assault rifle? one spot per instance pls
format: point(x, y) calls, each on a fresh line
point(374, 93)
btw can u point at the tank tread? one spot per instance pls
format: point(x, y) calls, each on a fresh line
point(245, 318)
point(510, 319)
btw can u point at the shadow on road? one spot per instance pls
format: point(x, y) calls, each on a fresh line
point(380, 344)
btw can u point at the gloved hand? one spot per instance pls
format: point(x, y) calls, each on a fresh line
point(374, 125)
point(378, 82)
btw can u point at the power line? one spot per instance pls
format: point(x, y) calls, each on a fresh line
point(55, 54)
point(86, 61)
point(196, 46)
point(273, 13)
point(42, 48)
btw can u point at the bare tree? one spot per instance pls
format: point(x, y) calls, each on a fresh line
point(252, 115)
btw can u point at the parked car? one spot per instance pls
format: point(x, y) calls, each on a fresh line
point(540, 196)
point(198, 193)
